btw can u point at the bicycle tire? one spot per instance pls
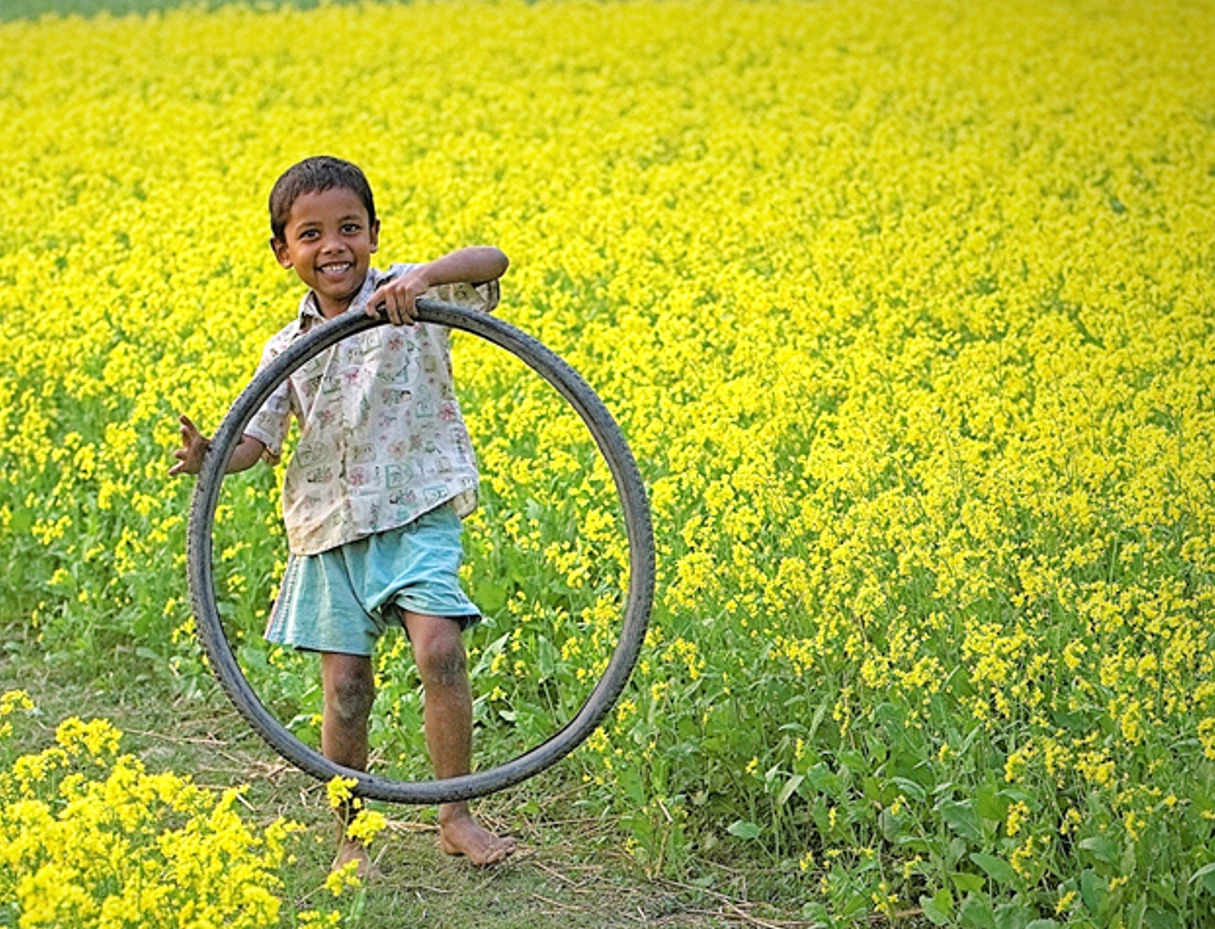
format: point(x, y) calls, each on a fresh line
point(639, 531)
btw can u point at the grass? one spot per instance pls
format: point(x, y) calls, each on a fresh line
point(568, 873)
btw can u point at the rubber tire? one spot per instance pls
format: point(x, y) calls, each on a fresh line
point(629, 486)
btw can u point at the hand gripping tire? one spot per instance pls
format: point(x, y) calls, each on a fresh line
point(637, 521)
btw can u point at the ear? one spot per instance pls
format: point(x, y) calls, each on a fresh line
point(279, 248)
point(375, 235)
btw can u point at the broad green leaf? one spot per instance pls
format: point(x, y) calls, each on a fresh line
point(961, 818)
point(997, 869)
point(976, 914)
point(744, 830)
point(1093, 891)
point(490, 595)
point(1014, 915)
point(933, 912)
point(990, 804)
point(1102, 848)
point(943, 900)
point(966, 882)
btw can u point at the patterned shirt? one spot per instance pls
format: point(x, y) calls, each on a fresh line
point(382, 439)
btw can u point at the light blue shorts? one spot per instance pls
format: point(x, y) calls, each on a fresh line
point(343, 599)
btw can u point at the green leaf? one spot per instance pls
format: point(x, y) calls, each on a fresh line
point(816, 912)
point(989, 803)
point(976, 914)
point(943, 900)
point(821, 778)
point(790, 787)
point(819, 715)
point(546, 656)
point(910, 788)
point(1013, 915)
point(933, 911)
point(961, 818)
point(822, 818)
point(1165, 892)
point(997, 869)
point(20, 521)
point(634, 789)
point(1042, 924)
point(1135, 913)
point(966, 882)
point(1102, 848)
point(1093, 891)
point(490, 595)
point(744, 830)
point(1162, 919)
point(1205, 874)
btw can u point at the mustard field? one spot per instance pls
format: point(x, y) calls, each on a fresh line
point(907, 310)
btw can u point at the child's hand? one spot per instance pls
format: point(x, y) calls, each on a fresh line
point(193, 446)
point(397, 299)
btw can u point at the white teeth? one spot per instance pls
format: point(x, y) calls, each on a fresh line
point(337, 268)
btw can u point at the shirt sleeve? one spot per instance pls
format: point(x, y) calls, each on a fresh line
point(269, 424)
point(483, 297)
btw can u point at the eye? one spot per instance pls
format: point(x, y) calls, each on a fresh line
point(351, 228)
point(308, 234)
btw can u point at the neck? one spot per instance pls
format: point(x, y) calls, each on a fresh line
point(332, 308)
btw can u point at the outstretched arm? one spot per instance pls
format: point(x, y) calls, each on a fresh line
point(474, 265)
point(194, 446)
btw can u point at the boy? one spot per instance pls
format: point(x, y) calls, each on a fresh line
point(382, 474)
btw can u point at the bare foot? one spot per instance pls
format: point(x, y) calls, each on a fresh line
point(355, 851)
point(460, 834)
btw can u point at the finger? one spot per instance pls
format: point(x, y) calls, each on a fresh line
point(396, 309)
point(382, 300)
point(187, 423)
point(376, 304)
point(409, 307)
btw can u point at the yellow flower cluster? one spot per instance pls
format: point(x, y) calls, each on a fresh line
point(90, 838)
point(905, 308)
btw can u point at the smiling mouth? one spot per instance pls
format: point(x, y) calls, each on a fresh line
point(337, 267)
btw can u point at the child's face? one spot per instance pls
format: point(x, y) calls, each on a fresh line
point(329, 241)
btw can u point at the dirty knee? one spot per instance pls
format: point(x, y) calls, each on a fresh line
point(443, 663)
point(350, 696)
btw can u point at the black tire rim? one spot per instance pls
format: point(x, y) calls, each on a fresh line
point(629, 487)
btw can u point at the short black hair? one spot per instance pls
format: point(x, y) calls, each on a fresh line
point(313, 176)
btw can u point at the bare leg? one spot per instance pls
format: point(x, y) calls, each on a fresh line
point(439, 653)
point(349, 686)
